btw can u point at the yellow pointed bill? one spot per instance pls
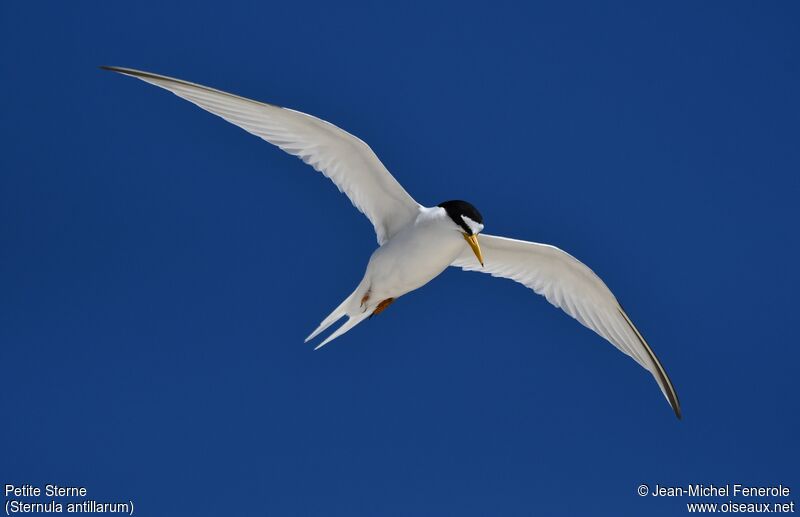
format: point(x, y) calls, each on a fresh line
point(472, 240)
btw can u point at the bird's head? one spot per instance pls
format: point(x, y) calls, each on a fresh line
point(468, 221)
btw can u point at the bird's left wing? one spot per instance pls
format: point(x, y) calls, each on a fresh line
point(343, 158)
point(569, 284)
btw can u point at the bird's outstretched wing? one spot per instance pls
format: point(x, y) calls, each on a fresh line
point(340, 156)
point(567, 283)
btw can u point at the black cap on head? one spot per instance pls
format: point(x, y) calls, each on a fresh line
point(456, 208)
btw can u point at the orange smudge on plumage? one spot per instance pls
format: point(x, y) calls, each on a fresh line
point(382, 306)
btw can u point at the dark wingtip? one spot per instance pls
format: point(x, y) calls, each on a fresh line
point(125, 71)
point(661, 373)
point(156, 78)
point(674, 402)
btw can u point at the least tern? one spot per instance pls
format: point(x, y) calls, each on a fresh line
point(416, 242)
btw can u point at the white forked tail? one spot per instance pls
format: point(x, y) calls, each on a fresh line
point(351, 322)
point(332, 318)
point(350, 307)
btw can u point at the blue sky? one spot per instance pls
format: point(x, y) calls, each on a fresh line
point(160, 268)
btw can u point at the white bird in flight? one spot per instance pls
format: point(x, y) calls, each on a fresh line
point(417, 243)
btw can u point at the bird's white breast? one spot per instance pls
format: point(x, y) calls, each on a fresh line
point(415, 255)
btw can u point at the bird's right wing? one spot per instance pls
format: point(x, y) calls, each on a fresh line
point(570, 285)
point(340, 156)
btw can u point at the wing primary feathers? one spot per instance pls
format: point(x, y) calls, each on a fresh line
point(570, 285)
point(672, 395)
point(150, 75)
point(340, 156)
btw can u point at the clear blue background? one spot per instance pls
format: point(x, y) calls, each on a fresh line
point(160, 268)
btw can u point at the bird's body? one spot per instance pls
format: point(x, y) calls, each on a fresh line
point(415, 255)
point(417, 243)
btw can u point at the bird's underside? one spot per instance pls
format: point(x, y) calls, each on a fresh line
point(382, 305)
point(417, 243)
